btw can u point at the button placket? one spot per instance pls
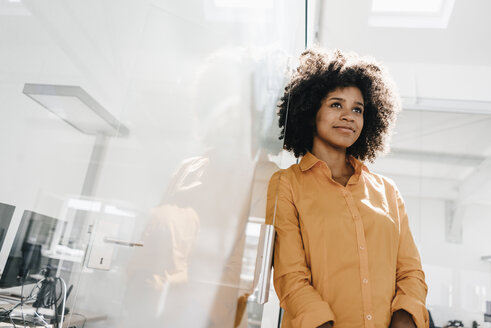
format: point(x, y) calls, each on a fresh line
point(363, 257)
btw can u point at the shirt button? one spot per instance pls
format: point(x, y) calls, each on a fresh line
point(369, 317)
point(365, 281)
point(362, 247)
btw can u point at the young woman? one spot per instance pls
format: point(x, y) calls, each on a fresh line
point(344, 255)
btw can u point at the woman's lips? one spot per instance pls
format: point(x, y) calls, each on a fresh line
point(344, 129)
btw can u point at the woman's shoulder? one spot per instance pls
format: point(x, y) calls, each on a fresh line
point(290, 174)
point(384, 185)
point(287, 179)
point(379, 179)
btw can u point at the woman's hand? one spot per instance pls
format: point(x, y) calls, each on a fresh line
point(326, 325)
point(402, 319)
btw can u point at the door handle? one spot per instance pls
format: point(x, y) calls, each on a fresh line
point(264, 262)
point(111, 240)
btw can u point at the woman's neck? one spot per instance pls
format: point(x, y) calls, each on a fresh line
point(336, 160)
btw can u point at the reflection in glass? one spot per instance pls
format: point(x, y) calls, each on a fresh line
point(197, 82)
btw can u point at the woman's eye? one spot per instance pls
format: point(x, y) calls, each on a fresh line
point(358, 110)
point(336, 104)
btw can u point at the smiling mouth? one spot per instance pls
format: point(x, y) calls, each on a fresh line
point(344, 129)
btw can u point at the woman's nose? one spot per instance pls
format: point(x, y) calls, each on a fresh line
point(347, 116)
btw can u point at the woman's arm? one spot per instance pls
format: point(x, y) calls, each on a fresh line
point(411, 288)
point(292, 276)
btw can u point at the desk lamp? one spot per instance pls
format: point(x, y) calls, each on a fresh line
point(77, 108)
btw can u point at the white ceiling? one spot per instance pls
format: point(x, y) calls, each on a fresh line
point(450, 133)
point(345, 24)
point(448, 64)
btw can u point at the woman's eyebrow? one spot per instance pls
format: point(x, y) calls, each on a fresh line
point(342, 99)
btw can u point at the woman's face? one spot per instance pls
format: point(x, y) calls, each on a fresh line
point(339, 121)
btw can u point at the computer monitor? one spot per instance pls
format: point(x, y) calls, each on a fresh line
point(25, 259)
point(6, 213)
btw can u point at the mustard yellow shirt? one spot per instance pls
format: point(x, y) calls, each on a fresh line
point(344, 254)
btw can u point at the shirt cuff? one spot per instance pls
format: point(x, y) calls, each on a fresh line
point(315, 317)
point(414, 307)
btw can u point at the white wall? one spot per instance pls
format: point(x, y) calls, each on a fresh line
point(459, 281)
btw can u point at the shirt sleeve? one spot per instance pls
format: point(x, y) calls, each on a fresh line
point(292, 276)
point(411, 288)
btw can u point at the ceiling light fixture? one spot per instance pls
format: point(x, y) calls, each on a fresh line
point(420, 6)
point(411, 14)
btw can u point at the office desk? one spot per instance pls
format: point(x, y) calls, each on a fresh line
point(71, 320)
point(75, 321)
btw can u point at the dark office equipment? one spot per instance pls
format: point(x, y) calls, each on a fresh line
point(25, 258)
point(31, 259)
point(6, 213)
point(432, 324)
point(454, 324)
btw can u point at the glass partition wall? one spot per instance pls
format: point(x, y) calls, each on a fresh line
point(137, 139)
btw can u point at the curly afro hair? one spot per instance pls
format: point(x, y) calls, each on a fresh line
point(318, 74)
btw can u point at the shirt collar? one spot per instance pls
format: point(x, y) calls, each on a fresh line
point(309, 160)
